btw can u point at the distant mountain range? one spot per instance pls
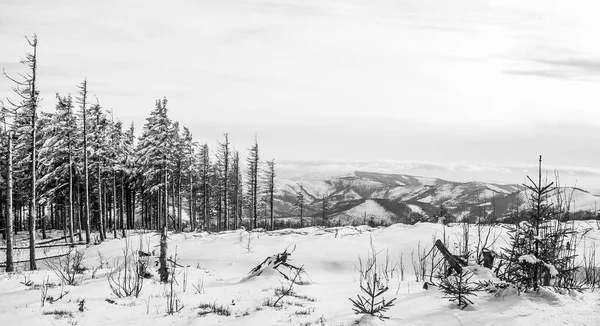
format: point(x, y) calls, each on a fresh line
point(390, 198)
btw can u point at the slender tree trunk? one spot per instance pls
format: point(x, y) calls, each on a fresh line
point(70, 194)
point(131, 204)
point(43, 221)
point(163, 271)
point(174, 215)
point(32, 211)
point(100, 210)
point(9, 216)
point(114, 204)
point(122, 206)
point(79, 213)
point(105, 217)
point(191, 202)
point(179, 201)
point(88, 224)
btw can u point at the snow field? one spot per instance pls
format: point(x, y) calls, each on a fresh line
point(218, 263)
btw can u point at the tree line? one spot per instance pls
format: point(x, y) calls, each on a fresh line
point(81, 170)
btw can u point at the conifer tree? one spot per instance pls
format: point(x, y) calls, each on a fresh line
point(325, 210)
point(252, 184)
point(26, 118)
point(82, 101)
point(205, 173)
point(223, 159)
point(299, 203)
point(269, 186)
point(236, 189)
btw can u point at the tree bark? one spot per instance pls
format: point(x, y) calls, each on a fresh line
point(32, 210)
point(9, 216)
point(88, 224)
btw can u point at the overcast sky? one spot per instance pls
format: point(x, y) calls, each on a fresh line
point(468, 86)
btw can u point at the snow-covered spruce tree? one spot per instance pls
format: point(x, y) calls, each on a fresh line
point(300, 203)
point(205, 184)
point(155, 152)
point(188, 170)
point(98, 145)
point(82, 98)
point(458, 288)
point(223, 159)
point(268, 186)
point(56, 157)
point(116, 154)
point(325, 210)
point(253, 183)
point(26, 131)
point(540, 253)
point(236, 190)
point(46, 184)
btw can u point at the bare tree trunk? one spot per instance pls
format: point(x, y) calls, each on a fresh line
point(79, 213)
point(114, 205)
point(179, 201)
point(70, 193)
point(100, 210)
point(122, 206)
point(9, 216)
point(174, 215)
point(32, 211)
point(88, 224)
point(191, 202)
point(163, 271)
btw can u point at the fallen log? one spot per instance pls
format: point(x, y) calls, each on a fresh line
point(456, 263)
point(57, 239)
point(39, 258)
point(278, 263)
point(48, 246)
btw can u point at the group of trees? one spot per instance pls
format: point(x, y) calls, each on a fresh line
point(79, 168)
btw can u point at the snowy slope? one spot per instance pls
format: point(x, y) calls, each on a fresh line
point(363, 212)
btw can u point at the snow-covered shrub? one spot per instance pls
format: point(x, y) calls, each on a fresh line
point(373, 286)
point(458, 288)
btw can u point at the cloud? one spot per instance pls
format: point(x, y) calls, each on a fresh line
point(564, 68)
point(453, 171)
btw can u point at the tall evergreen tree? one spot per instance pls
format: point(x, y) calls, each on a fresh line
point(205, 174)
point(252, 177)
point(269, 186)
point(223, 159)
point(300, 203)
point(82, 101)
point(26, 119)
point(236, 189)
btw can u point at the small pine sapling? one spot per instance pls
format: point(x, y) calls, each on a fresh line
point(458, 288)
point(373, 286)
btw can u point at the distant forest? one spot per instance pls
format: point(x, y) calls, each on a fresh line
point(80, 168)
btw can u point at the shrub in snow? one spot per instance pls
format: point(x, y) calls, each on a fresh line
point(458, 288)
point(373, 286)
point(127, 278)
point(68, 267)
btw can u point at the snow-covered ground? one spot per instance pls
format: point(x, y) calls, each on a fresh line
point(218, 263)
